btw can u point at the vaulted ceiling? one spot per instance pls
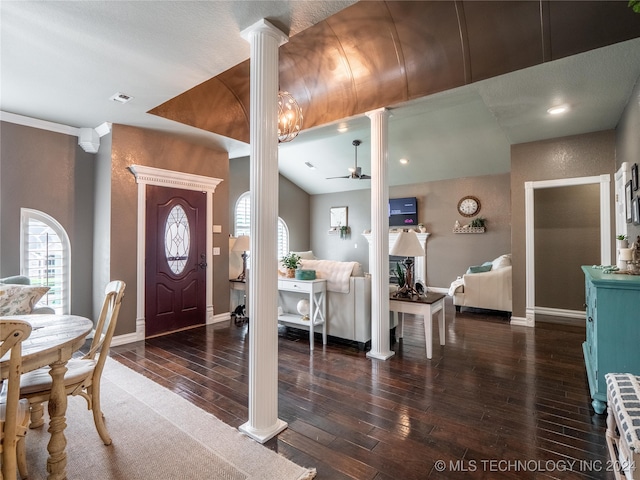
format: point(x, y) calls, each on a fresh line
point(385, 53)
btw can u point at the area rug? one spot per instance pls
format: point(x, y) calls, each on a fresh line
point(156, 435)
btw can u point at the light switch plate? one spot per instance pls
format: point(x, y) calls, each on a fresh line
point(217, 229)
point(216, 250)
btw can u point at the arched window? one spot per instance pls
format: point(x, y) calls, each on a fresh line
point(242, 224)
point(45, 257)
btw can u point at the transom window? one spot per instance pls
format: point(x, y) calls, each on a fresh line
point(243, 224)
point(45, 257)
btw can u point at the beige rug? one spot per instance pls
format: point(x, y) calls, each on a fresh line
point(157, 435)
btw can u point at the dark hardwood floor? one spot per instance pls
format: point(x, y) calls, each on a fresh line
point(496, 402)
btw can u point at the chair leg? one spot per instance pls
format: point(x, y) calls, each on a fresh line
point(21, 453)
point(37, 415)
point(98, 417)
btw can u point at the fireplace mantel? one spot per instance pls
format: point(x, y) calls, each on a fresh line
point(420, 262)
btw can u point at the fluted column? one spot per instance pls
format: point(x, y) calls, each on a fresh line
point(263, 422)
point(379, 248)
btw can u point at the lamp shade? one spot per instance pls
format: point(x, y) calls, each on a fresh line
point(242, 244)
point(407, 245)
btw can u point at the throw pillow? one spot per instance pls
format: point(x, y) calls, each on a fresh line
point(19, 299)
point(502, 261)
point(480, 268)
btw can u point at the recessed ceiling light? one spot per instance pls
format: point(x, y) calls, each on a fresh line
point(404, 161)
point(120, 97)
point(310, 165)
point(557, 110)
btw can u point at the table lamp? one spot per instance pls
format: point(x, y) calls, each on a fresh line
point(407, 245)
point(242, 244)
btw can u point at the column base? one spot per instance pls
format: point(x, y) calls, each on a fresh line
point(380, 355)
point(263, 436)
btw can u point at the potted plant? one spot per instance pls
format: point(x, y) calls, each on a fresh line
point(291, 262)
point(622, 241)
point(478, 222)
point(344, 231)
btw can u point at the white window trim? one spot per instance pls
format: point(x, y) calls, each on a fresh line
point(25, 215)
point(281, 222)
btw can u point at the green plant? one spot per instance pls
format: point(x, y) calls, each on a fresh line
point(622, 237)
point(478, 222)
point(635, 5)
point(291, 261)
point(400, 274)
point(344, 231)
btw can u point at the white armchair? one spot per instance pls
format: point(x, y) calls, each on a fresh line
point(490, 289)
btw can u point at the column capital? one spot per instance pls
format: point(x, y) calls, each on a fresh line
point(377, 112)
point(265, 27)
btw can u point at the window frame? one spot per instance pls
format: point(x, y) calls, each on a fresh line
point(244, 202)
point(26, 216)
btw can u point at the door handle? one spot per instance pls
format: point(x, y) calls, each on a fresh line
point(203, 263)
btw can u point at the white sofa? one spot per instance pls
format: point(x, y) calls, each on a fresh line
point(490, 289)
point(348, 312)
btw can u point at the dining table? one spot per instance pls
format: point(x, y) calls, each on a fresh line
point(53, 341)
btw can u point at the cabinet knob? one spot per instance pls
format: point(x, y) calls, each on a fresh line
point(590, 319)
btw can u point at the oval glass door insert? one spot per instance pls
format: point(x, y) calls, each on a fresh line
point(176, 239)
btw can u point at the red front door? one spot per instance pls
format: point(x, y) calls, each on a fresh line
point(175, 267)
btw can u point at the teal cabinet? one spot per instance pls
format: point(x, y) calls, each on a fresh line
point(613, 329)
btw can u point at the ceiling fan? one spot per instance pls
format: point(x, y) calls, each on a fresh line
point(356, 171)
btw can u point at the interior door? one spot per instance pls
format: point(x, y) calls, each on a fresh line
point(175, 266)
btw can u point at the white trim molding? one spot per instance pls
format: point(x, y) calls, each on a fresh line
point(170, 179)
point(88, 138)
point(605, 232)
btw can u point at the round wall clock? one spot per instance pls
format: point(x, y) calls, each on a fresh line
point(468, 206)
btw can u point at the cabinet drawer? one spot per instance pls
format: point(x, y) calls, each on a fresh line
point(292, 286)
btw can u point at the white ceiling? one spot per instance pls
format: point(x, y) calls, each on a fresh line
point(61, 61)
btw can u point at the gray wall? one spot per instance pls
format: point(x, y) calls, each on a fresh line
point(49, 172)
point(567, 235)
point(576, 156)
point(293, 202)
point(628, 143)
point(448, 254)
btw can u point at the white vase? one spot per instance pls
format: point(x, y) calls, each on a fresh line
point(622, 243)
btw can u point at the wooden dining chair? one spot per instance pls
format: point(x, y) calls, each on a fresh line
point(14, 413)
point(83, 374)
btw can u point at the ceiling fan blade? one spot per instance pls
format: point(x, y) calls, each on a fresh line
point(365, 177)
point(345, 176)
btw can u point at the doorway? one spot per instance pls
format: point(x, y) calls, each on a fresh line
point(176, 262)
point(150, 176)
point(604, 182)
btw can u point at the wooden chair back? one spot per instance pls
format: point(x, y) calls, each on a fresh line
point(12, 334)
point(106, 325)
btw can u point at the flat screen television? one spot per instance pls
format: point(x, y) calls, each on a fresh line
point(403, 212)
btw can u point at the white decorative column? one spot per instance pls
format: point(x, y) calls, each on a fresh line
point(379, 247)
point(263, 422)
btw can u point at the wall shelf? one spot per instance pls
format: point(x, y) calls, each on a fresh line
point(469, 230)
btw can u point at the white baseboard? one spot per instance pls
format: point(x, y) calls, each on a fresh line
point(558, 312)
point(219, 318)
point(124, 339)
point(519, 321)
point(444, 290)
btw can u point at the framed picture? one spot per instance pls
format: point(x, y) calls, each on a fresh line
point(628, 197)
point(634, 176)
point(635, 206)
point(338, 217)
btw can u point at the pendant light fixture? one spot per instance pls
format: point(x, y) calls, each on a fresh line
point(289, 117)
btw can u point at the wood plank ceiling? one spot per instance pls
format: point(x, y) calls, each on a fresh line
point(382, 53)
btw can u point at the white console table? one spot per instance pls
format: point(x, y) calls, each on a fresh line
point(316, 290)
